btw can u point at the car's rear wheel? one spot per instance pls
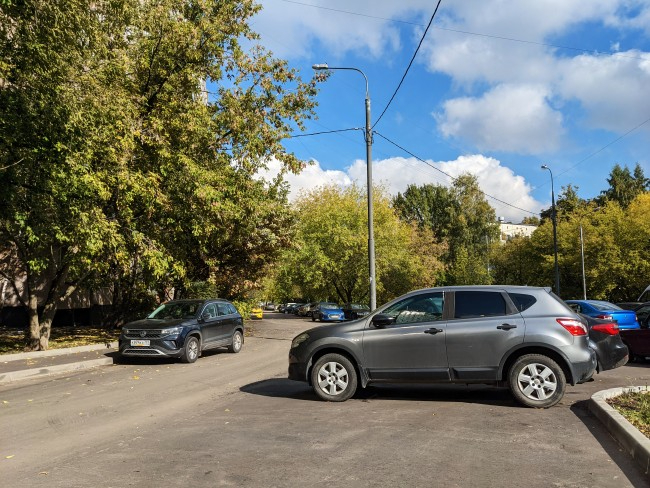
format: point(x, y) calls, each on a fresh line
point(191, 350)
point(537, 381)
point(334, 378)
point(236, 343)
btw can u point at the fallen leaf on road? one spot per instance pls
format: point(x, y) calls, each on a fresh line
point(9, 457)
point(136, 377)
point(43, 472)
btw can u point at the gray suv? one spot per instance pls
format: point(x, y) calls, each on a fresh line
point(525, 337)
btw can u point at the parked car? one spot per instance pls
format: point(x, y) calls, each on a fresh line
point(643, 315)
point(353, 311)
point(626, 319)
point(327, 312)
point(305, 309)
point(270, 307)
point(637, 342)
point(289, 307)
point(605, 340)
point(644, 297)
point(257, 312)
point(523, 336)
point(293, 308)
point(184, 328)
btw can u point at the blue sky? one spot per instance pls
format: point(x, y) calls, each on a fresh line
point(497, 89)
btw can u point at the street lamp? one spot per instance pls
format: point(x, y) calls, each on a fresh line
point(368, 137)
point(554, 219)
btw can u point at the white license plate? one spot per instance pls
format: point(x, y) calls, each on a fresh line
point(335, 316)
point(139, 342)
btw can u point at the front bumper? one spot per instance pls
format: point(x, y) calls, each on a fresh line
point(156, 348)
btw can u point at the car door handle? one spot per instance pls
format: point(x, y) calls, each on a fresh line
point(432, 331)
point(506, 326)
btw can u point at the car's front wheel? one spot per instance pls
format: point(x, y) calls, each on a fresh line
point(191, 350)
point(334, 378)
point(537, 381)
point(236, 343)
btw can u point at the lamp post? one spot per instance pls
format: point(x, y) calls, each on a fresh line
point(554, 219)
point(368, 138)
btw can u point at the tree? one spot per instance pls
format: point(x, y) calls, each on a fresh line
point(624, 186)
point(460, 218)
point(118, 167)
point(330, 258)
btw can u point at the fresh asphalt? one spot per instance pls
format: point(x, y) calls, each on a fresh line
point(27, 371)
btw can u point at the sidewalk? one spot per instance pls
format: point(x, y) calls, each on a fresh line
point(41, 363)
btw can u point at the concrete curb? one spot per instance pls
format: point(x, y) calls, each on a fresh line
point(628, 436)
point(55, 352)
point(60, 368)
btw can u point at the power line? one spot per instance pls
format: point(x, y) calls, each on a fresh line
point(410, 63)
point(478, 34)
point(293, 136)
point(451, 177)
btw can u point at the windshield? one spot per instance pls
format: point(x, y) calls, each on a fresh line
point(601, 306)
point(176, 310)
point(329, 306)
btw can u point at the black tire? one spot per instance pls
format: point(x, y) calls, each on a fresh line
point(537, 381)
point(236, 343)
point(313, 318)
point(334, 378)
point(191, 350)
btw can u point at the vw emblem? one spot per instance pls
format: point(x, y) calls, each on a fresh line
point(143, 333)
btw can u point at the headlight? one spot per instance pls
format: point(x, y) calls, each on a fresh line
point(171, 331)
point(299, 340)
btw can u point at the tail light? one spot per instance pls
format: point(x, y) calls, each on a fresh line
point(604, 316)
point(573, 326)
point(609, 328)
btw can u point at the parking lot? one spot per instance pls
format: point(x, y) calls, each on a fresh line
point(235, 420)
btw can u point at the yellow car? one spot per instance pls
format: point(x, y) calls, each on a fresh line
point(257, 313)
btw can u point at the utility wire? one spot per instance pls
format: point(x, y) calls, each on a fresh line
point(511, 39)
point(451, 177)
point(293, 136)
point(410, 63)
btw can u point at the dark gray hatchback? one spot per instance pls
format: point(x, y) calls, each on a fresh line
point(184, 328)
point(525, 337)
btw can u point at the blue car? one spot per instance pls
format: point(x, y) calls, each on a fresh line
point(327, 312)
point(626, 319)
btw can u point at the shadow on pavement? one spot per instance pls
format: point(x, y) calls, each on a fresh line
point(480, 394)
point(627, 465)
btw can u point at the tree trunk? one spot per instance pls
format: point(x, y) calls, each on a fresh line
point(33, 336)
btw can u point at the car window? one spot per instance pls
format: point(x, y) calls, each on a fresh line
point(211, 310)
point(603, 306)
point(231, 308)
point(223, 308)
point(470, 304)
point(522, 301)
point(425, 307)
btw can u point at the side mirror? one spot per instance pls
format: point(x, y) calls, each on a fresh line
point(382, 320)
point(205, 317)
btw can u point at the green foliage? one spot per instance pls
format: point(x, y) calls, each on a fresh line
point(119, 169)
point(459, 218)
point(329, 259)
point(616, 243)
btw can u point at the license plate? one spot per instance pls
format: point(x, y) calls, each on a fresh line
point(335, 316)
point(139, 342)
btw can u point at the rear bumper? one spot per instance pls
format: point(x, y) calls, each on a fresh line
point(583, 371)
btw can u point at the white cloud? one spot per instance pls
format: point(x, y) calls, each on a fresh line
point(397, 173)
point(612, 89)
point(291, 28)
point(514, 118)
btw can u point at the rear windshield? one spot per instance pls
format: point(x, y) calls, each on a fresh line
point(603, 306)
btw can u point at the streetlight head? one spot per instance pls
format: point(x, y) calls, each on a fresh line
point(544, 166)
point(319, 67)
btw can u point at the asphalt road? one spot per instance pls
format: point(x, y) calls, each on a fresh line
point(235, 420)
